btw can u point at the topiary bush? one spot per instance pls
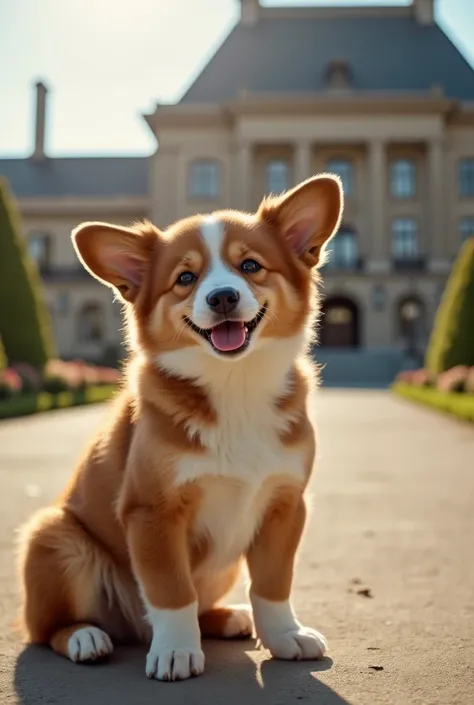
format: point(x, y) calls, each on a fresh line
point(25, 323)
point(3, 357)
point(452, 339)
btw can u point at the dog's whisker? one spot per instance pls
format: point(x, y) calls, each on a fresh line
point(180, 332)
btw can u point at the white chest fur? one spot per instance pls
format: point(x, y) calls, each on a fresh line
point(244, 459)
point(229, 516)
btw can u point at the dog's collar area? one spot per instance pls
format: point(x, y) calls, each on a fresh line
point(247, 326)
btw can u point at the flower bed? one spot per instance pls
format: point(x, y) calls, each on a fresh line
point(25, 390)
point(451, 391)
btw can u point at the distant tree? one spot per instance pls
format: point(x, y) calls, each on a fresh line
point(452, 338)
point(25, 323)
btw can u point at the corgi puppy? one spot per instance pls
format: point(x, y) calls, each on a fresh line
point(203, 464)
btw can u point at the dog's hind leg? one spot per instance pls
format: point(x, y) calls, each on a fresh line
point(60, 572)
point(230, 622)
point(81, 643)
point(218, 621)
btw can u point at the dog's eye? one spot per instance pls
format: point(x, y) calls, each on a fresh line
point(249, 266)
point(186, 278)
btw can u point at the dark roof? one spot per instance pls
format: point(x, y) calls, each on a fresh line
point(81, 176)
point(285, 54)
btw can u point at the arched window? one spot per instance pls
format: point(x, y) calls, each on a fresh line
point(204, 179)
point(405, 245)
point(40, 249)
point(90, 323)
point(403, 178)
point(277, 176)
point(342, 250)
point(345, 170)
point(410, 322)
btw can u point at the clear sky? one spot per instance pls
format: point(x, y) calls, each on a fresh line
point(108, 61)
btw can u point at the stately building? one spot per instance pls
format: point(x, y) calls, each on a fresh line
point(379, 95)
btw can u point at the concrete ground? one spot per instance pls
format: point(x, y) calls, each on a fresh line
point(386, 571)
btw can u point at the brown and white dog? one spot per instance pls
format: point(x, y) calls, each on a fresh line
point(205, 460)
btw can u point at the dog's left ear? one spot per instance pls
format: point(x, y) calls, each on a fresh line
point(307, 216)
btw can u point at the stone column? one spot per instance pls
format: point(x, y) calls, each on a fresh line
point(379, 251)
point(435, 236)
point(243, 180)
point(302, 165)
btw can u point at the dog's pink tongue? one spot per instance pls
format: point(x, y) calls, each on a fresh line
point(229, 335)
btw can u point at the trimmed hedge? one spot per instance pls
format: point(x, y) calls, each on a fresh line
point(457, 404)
point(452, 339)
point(25, 404)
point(3, 357)
point(25, 323)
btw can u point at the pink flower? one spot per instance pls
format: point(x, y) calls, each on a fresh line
point(11, 379)
point(453, 380)
point(421, 378)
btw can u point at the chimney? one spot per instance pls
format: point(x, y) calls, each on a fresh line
point(250, 12)
point(424, 11)
point(39, 153)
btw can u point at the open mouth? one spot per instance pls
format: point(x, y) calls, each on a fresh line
point(229, 337)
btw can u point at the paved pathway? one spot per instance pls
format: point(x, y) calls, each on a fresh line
point(386, 572)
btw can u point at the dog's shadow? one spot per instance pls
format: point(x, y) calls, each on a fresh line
point(235, 674)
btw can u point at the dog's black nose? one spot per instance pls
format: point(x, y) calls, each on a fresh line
point(223, 300)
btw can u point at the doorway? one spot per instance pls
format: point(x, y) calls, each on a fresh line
point(339, 323)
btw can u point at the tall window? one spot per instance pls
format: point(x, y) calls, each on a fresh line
point(277, 176)
point(342, 250)
point(204, 176)
point(39, 249)
point(405, 240)
point(466, 176)
point(403, 178)
point(90, 324)
point(466, 227)
point(345, 170)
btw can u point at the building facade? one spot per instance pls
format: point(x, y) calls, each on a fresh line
point(379, 95)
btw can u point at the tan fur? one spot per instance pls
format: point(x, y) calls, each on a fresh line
point(124, 515)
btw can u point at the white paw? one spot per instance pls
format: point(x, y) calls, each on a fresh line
point(240, 622)
point(174, 665)
point(297, 644)
point(89, 644)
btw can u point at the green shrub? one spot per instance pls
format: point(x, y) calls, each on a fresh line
point(5, 390)
point(3, 357)
point(25, 323)
point(457, 404)
point(452, 339)
point(54, 384)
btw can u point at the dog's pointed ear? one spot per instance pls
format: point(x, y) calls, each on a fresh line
point(307, 216)
point(116, 255)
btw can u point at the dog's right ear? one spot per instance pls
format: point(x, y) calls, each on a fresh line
point(116, 255)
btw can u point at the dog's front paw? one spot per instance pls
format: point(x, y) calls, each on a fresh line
point(174, 664)
point(281, 633)
point(296, 644)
